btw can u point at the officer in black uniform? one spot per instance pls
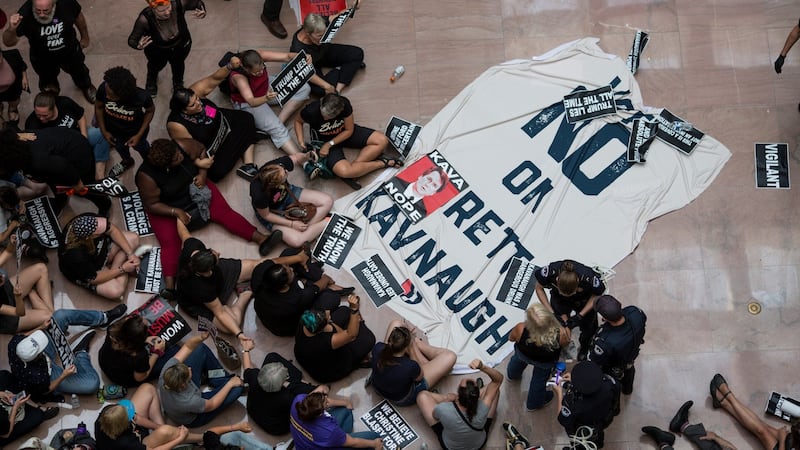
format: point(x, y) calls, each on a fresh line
point(590, 399)
point(573, 287)
point(616, 344)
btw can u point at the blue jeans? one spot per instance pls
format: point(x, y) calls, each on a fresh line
point(201, 360)
point(99, 145)
point(538, 394)
point(86, 380)
point(243, 440)
point(344, 417)
point(125, 152)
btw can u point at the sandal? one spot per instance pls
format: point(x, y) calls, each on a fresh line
point(716, 383)
point(388, 161)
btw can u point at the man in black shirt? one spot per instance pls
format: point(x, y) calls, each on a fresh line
point(616, 344)
point(54, 45)
point(51, 110)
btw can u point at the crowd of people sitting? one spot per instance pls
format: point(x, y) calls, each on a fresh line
point(179, 389)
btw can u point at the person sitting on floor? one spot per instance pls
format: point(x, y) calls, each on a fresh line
point(316, 427)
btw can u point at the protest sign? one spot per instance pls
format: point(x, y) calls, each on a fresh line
point(293, 76)
point(395, 431)
point(583, 105)
point(136, 220)
point(772, 165)
point(683, 140)
point(149, 278)
point(42, 219)
point(336, 25)
point(59, 340)
point(164, 321)
point(336, 241)
point(402, 134)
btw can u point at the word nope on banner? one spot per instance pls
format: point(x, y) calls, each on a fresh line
point(292, 77)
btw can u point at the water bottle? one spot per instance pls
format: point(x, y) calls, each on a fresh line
point(398, 72)
point(76, 403)
point(561, 366)
point(680, 125)
point(101, 396)
point(81, 429)
point(424, 446)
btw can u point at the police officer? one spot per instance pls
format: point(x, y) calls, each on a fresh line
point(573, 287)
point(589, 401)
point(616, 344)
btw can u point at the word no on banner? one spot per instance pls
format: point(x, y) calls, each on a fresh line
point(293, 76)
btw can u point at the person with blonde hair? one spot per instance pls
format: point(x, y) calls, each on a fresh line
point(538, 342)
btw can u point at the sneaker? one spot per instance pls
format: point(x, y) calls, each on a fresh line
point(514, 435)
point(660, 436)
point(284, 445)
point(271, 241)
point(114, 314)
point(142, 250)
point(247, 171)
point(120, 167)
point(84, 342)
point(314, 174)
point(681, 417)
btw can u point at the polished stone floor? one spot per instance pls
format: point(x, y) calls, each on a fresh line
point(695, 270)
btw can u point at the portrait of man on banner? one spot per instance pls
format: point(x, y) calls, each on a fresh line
point(421, 188)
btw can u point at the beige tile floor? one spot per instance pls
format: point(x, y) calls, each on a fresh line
point(695, 270)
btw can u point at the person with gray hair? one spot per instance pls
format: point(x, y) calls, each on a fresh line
point(343, 60)
point(272, 389)
point(331, 120)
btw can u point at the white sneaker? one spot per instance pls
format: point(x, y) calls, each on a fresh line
point(284, 445)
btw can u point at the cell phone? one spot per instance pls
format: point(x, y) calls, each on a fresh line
point(216, 373)
point(18, 396)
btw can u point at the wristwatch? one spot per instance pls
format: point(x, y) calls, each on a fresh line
point(331, 142)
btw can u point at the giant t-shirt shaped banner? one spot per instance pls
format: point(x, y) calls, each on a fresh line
point(539, 189)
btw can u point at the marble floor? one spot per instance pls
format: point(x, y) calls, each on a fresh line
point(695, 270)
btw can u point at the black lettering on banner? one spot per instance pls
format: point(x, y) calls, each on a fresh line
point(43, 221)
point(336, 25)
point(518, 285)
point(292, 77)
point(402, 134)
point(336, 241)
point(386, 421)
point(136, 220)
point(583, 105)
point(149, 279)
point(772, 165)
point(684, 141)
point(376, 279)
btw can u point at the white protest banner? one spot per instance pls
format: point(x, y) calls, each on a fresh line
point(540, 190)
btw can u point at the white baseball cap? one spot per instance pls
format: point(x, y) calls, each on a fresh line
point(32, 346)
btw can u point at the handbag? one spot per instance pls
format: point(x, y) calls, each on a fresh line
point(298, 210)
point(197, 221)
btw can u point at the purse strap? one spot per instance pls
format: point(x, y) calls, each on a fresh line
point(464, 418)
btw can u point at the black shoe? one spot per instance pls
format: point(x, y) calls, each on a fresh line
point(343, 291)
point(152, 90)
point(50, 412)
point(168, 294)
point(114, 314)
point(90, 94)
point(275, 27)
point(660, 436)
point(271, 241)
point(514, 435)
point(247, 171)
point(120, 167)
point(681, 417)
point(84, 343)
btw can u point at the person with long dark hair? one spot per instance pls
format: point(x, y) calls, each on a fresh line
point(130, 356)
point(462, 420)
point(403, 365)
point(316, 427)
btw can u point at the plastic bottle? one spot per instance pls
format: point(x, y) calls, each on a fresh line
point(76, 403)
point(424, 446)
point(81, 429)
point(398, 72)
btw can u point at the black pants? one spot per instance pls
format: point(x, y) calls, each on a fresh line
point(588, 324)
point(272, 9)
point(326, 300)
point(48, 67)
point(157, 59)
point(33, 416)
point(695, 432)
point(345, 60)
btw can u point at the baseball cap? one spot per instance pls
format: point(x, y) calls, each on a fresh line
point(271, 376)
point(608, 307)
point(30, 347)
point(587, 377)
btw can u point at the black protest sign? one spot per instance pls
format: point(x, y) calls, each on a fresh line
point(643, 133)
point(376, 279)
point(683, 140)
point(59, 340)
point(782, 406)
point(109, 186)
point(136, 220)
point(393, 429)
point(164, 321)
point(292, 77)
point(402, 134)
point(772, 165)
point(639, 43)
point(336, 241)
point(583, 105)
point(336, 25)
point(43, 220)
point(518, 284)
point(149, 278)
